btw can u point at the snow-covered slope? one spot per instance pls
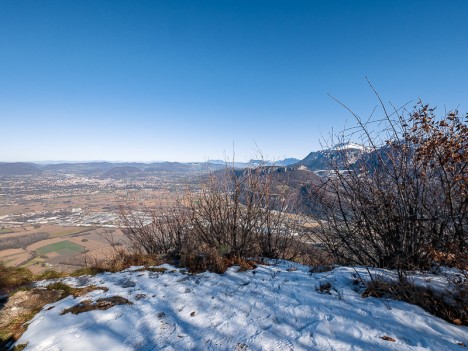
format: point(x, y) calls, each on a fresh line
point(340, 155)
point(273, 307)
point(350, 146)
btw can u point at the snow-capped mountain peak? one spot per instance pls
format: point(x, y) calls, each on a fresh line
point(349, 146)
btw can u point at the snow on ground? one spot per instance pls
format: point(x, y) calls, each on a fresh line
point(273, 307)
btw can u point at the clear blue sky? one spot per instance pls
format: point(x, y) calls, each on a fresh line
point(184, 80)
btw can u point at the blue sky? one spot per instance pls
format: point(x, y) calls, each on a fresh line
point(185, 80)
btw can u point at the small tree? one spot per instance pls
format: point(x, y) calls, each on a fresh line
point(407, 198)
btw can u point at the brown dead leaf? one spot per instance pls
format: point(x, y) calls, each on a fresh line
point(387, 338)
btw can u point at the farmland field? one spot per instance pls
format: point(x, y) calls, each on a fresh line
point(62, 247)
point(65, 248)
point(62, 221)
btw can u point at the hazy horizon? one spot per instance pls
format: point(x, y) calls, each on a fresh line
point(228, 159)
point(41, 162)
point(184, 81)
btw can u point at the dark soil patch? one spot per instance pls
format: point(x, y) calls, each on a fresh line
point(100, 304)
point(19, 309)
point(453, 309)
point(152, 269)
point(75, 292)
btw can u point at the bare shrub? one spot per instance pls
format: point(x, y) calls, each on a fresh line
point(407, 198)
point(218, 217)
point(450, 306)
point(237, 213)
point(233, 215)
point(162, 231)
point(281, 236)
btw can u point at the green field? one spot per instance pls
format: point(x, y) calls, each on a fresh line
point(6, 230)
point(33, 261)
point(62, 247)
point(7, 261)
point(70, 231)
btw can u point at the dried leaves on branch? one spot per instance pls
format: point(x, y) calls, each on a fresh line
point(406, 201)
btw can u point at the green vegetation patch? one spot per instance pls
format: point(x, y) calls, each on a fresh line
point(49, 274)
point(71, 231)
point(75, 292)
point(87, 271)
point(35, 260)
point(62, 247)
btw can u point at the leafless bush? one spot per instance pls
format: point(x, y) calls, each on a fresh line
point(237, 213)
point(405, 200)
point(234, 214)
point(163, 231)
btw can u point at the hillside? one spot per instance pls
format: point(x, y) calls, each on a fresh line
point(18, 168)
point(274, 307)
point(338, 155)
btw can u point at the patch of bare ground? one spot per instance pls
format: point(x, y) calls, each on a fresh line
point(100, 304)
point(75, 292)
point(152, 269)
point(453, 310)
point(212, 261)
point(22, 306)
point(19, 309)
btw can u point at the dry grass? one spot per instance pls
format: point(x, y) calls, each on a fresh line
point(13, 277)
point(119, 260)
point(212, 261)
point(49, 274)
point(87, 271)
point(11, 330)
point(17, 279)
point(19, 309)
point(324, 288)
point(15, 329)
point(454, 311)
point(75, 292)
point(101, 304)
point(450, 258)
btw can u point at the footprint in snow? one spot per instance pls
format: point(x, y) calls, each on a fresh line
point(284, 345)
point(252, 338)
point(127, 283)
point(311, 327)
point(165, 327)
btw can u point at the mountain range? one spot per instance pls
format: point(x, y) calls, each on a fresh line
point(316, 161)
